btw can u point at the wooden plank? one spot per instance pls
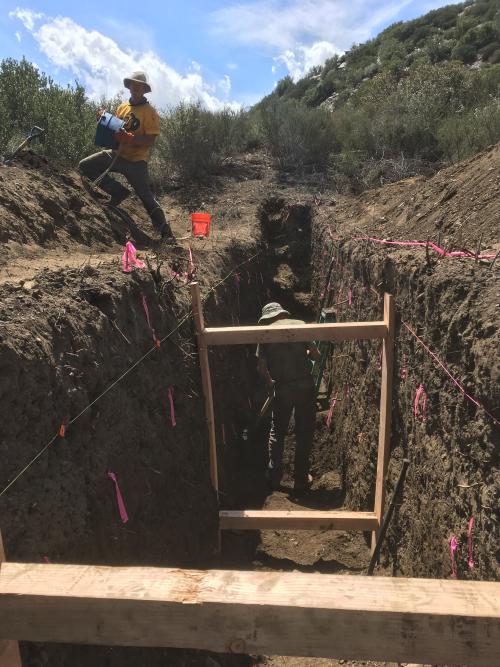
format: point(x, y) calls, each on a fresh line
point(266, 613)
point(9, 650)
point(296, 520)
point(384, 432)
point(206, 381)
point(298, 333)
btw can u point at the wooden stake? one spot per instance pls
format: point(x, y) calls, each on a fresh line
point(206, 381)
point(257, 613)
point(384, 435)
point(9, 650)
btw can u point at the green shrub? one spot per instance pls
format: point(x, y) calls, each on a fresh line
point(28, 98)
point(194, 141)
point(296, 136)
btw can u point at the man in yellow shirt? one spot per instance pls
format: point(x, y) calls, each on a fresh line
point(135, 141)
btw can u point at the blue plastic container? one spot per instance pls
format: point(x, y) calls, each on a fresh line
point(106, 128)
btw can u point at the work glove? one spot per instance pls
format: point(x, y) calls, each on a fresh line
point(124, 137)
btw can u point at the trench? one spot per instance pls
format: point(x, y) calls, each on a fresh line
point(70, 339)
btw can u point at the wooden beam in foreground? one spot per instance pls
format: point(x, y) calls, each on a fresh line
point(298, 333)
point(269, 613)
point(297, 520)
point(9, 651)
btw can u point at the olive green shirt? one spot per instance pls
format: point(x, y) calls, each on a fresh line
point(286, 362)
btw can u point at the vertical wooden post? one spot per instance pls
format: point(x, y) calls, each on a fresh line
point(206, 381)
point(384, 434)
point(9, 650)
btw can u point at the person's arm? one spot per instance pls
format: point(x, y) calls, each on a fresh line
point(138, 139)
point(263, 371)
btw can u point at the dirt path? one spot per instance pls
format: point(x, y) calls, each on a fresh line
point(24, 269)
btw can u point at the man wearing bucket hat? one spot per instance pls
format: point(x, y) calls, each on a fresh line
point(135, 141)
point(285, 367)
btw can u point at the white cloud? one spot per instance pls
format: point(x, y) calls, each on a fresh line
point(303, 59)
point(18, 35)
point(232, 66)
point(225, 85)
point(27, 17)
point(100, 64)
point(304, 33)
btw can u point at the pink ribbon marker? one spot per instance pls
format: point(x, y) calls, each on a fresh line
point(470, 561)
point(420, 411)
point(119, 499)
point(453, 548)
point(172, 409)
point(330, 412)
point(146, 310)
point(129, 258)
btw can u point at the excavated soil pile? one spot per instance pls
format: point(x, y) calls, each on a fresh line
point(77, 348)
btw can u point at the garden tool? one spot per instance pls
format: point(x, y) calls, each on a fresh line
point(34, 132)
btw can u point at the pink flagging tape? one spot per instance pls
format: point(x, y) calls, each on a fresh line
point(62, 431)
point(452, 378)
point(420, 411)
point(453, 548)
point(470, 561)
point(432, 246)
point(330, 411)
point(148, 319)
point(119, 499)
point(172, 409)
point(129, 258)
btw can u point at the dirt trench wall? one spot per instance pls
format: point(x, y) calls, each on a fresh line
point(453, 448)
point(64, 339)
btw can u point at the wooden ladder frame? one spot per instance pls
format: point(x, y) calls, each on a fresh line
point(345, 331)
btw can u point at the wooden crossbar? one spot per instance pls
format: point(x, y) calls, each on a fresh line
point(299, 333)
point(297, 520)
point(266, 613)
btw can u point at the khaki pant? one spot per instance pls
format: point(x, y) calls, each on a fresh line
point(137, 175)
point(298, 397)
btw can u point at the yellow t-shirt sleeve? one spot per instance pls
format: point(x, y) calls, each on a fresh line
point(152, 122)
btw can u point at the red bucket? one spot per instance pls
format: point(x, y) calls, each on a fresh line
point(200, 223)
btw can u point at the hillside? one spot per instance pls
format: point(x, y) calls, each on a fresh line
point(467, 33)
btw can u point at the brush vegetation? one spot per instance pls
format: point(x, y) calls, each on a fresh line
point(421, 94)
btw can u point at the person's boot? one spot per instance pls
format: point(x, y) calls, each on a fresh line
point(161, 225)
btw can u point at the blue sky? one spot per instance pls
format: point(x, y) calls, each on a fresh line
point(220, 52)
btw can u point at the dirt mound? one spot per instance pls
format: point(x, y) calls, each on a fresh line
point(49, 219)
point(459, 205)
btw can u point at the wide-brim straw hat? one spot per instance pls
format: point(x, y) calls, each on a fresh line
point(138, 77)
point(271, 310)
